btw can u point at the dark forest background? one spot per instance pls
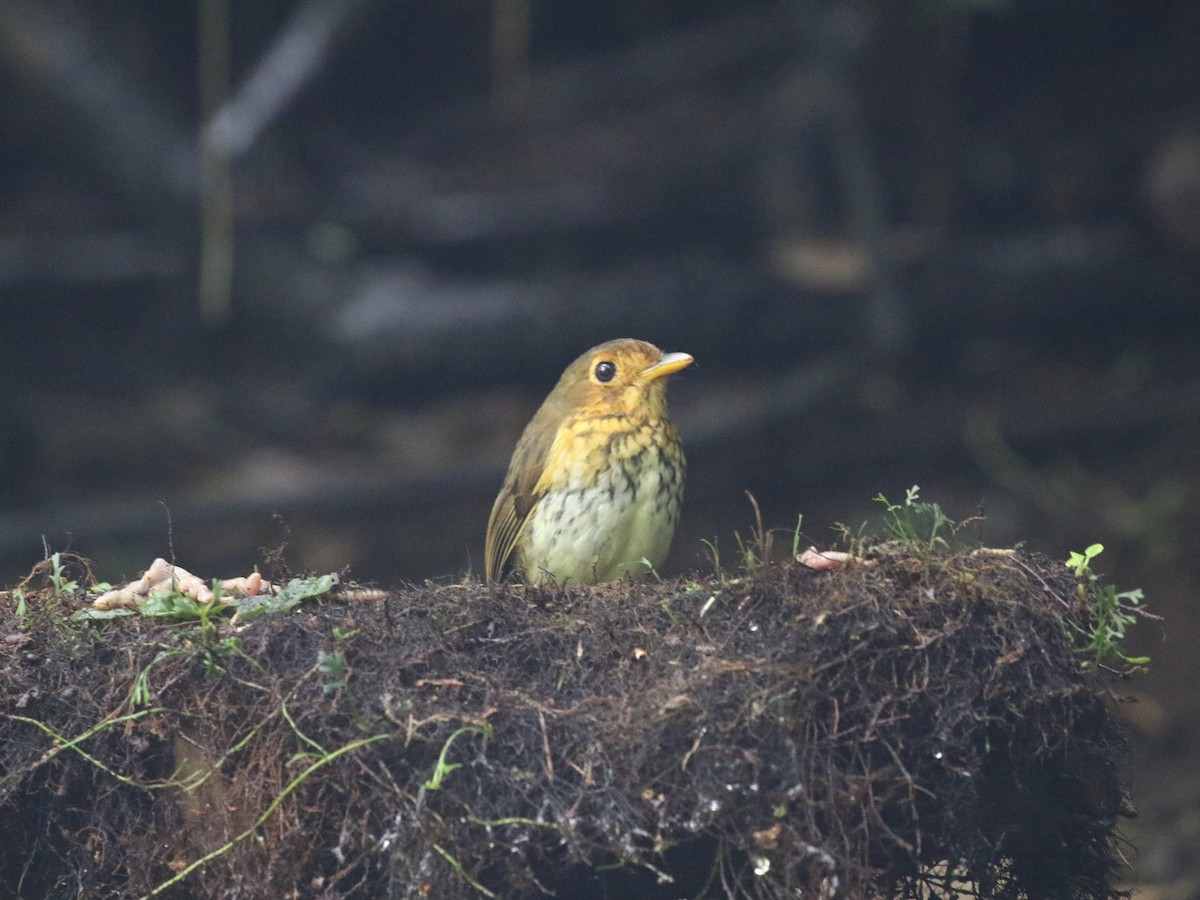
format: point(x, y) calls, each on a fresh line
point(298, 271)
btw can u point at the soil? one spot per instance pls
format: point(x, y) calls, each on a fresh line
point(915, 722)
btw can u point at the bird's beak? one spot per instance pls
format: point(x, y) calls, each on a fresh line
point(670, 362)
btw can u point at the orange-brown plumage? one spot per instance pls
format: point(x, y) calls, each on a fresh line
point(595, 483)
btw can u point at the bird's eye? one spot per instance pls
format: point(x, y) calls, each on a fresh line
point(605, 371)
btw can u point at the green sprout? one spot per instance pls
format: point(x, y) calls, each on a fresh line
point(1112, 611)
point(58, 579)
point(332, 665)
point(443, 768)
point(916, 522)
point(22, 607)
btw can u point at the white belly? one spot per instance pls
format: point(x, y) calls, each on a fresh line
point(601, 532)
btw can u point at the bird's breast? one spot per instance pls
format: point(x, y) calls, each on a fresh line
point(612, 493)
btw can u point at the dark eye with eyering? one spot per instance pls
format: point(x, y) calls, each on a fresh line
point(605, 371)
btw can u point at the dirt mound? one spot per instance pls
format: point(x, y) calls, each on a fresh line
point(881, 731)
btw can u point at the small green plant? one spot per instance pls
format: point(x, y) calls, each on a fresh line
point(714, 553)
point(750, 560)
point(856, 542)
point(757, 553)
point(1112, 611)
point(653, 572)
point(916, 522)
point(1081, 565)
point(22, 607)
point(229, 647)
point(332, 666)
point(443, 768)
point(59, 583)
point(208, 627)
point(171, 604)
point(796, 536)
point(141, 695)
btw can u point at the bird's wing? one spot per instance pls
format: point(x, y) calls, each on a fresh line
point(517, 498)
point(504, 527)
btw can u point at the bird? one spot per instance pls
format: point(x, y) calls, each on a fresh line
point(596, 480)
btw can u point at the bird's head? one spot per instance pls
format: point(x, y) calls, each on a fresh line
point(621, 377)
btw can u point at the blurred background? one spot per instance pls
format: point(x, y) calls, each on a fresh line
point(299, 271)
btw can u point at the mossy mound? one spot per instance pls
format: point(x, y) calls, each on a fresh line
point(899, 730)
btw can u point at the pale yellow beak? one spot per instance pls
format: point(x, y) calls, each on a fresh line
point(670, 362)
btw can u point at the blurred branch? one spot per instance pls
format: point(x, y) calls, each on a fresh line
point(510, 54)
point(295, 57)
point(216, 177)
point(297, 54)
